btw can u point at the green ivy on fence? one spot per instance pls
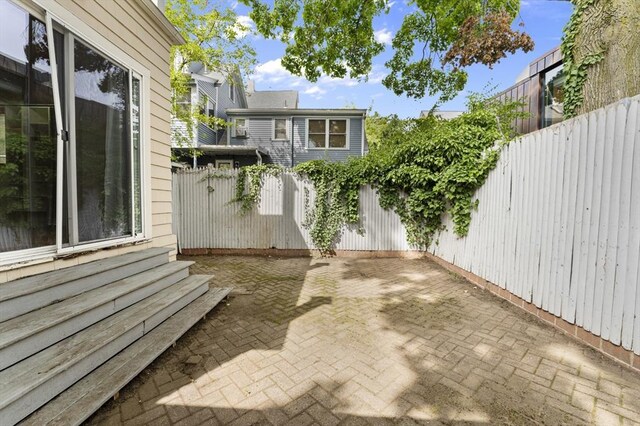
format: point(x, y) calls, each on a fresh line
point(422, 169)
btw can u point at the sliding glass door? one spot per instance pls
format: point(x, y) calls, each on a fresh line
point(76, 181)
point(27, 134)
point(102, 146)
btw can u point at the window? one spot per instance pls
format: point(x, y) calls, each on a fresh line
point(232, 92)
point(280, 129)
point(224, 164)
point(71, 138)
point(553, 97)
point(327, 133)
point(240, 127)
point(207, 107)
point(183, 105)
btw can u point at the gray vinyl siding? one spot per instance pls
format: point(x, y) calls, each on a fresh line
point(225, 103)
point(179, 134)
point(303, 154)
point(259, 135)
point(209, 89)
point(206, 136)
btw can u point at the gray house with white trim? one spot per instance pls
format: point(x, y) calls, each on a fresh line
point(292, 136)
point(268, 127)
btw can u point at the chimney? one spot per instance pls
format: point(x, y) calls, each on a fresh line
point(251, 86)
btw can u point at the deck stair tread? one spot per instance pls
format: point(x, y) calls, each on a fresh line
point(34, 283)
point(78, 402)
point(20, 379)
point(34, 322)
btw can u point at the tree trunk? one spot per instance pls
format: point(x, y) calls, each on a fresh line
point(611, 27)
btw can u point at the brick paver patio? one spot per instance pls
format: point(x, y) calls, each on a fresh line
point(376, 341)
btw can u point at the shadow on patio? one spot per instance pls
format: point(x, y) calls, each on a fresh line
point(375, 341)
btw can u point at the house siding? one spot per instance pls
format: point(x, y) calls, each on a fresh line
point(225, 103)
point(259, 135)
point(303, 154)
point(206, 135)
point(209, 89)
point(127, 25)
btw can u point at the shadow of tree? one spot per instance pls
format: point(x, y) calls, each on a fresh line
point(378, 341)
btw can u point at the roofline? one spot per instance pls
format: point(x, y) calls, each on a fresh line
point(155, 11)
point(546, 54)
point(196, 76)
point(267, 112)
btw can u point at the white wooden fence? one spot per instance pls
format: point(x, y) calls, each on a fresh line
point(204, 217)
point(558, 222)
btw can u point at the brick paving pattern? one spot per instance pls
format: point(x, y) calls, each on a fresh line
point(370, 341)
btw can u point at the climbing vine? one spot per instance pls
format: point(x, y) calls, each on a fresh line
point(249, 184)
point(576, 70)
point(337, 199)
point(422, 169)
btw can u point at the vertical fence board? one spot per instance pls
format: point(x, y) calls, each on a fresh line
point(580, 142)
point(603, 229)
point(594, 222)
point(614, 224)
point(631, 310)
point(622, 255)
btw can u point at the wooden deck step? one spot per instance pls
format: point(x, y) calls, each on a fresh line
point(80, 401)
point(36, 380)
point(27, 294)
point(27, 334)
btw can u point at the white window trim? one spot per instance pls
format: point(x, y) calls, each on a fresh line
point(232, 92)
point(54, 14)
point(219, 162)
point(287, 128)
point(235, 127)
point(201, 95)
point(326, 136)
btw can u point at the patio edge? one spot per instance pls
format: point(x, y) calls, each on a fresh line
point(275, 252)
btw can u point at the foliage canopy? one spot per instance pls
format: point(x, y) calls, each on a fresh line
point(435, 42)
point(215, 38)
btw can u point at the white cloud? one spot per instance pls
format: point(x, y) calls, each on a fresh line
point(272, 72)
point(244, 25)
point(383, 36)
point(272, 75)
point(315, 91)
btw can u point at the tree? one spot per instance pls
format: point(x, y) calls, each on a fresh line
point(601, 54)
point(214, 38)
point(433, 46)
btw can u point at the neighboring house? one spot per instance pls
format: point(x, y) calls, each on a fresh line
point(213, 93)
point(88, 281)
point(265, 127)
point(291, 136)
point(540, 87)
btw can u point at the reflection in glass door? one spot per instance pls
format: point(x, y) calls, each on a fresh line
point(102, 138)
point(71, 139)
point(27, 133)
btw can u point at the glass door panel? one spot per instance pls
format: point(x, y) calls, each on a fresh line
point(27, 133)
point(102, 146)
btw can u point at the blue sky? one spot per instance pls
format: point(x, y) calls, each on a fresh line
point(543, 20)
